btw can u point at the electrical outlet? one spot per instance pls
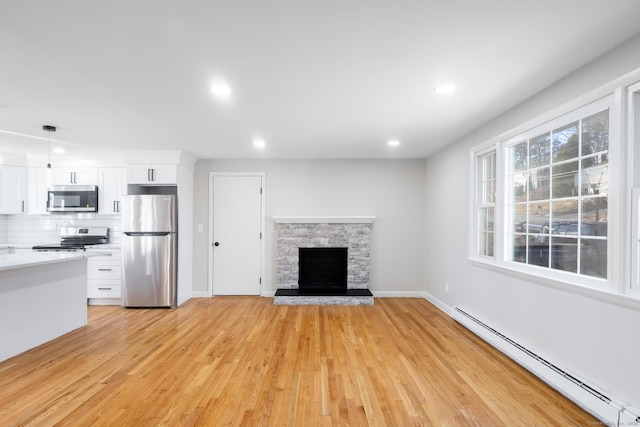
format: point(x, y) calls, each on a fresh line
point(446, 287)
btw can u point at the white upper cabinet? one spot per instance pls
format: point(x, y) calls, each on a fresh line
point(37, 194)
point(13, 190)
point(111, 187)
point(74, 176)
point(152, 174)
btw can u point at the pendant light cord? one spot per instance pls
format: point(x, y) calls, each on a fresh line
point(49, 129)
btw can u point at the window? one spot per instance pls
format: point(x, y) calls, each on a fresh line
point(543, 197)
point(485, 203)
point(557, 200)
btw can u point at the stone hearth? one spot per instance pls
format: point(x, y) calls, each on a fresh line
point(352, 233)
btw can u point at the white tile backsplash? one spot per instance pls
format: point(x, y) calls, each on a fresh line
point(3, 229)
point(42, 229)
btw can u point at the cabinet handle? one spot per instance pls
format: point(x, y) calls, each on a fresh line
point(104, 269)
point(115, 206)
point(149, 175)
point(71, 177)
point(104, 289)
point(118, 204)
point(23, 206)
point(153, 174)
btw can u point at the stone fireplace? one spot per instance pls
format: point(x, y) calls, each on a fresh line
point(349, 234)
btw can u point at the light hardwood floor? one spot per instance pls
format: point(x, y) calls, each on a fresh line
point(244, 361)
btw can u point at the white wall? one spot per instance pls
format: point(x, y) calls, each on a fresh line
point(185, 233)
point(593, 338)
point(391, 190)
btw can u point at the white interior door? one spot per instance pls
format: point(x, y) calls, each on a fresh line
point(237, 227)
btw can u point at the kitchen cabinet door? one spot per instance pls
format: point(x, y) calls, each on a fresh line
point(74, 176)
point(37, 193)
point(13, 190)
point(111, 187)
point(152, 174)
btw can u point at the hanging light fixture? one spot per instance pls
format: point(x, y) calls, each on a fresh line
point(49, 129)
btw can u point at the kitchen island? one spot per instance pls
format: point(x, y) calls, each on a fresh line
point(43, 295)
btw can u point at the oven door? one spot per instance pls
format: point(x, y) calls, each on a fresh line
point(72, 198)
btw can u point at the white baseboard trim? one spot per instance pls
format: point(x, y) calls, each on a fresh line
point(398, 294)
point(205, 294)
point(438, 303)
point(104, 301)
point(199, 294)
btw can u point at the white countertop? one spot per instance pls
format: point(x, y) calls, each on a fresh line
point(16, 246)
point(31, 259)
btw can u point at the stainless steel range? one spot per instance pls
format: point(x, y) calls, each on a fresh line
point(77, 239)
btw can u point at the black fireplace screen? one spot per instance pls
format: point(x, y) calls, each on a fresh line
point(322, 270)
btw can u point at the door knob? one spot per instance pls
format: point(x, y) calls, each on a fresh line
point(216, 244)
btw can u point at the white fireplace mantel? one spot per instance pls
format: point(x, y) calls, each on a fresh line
point(323, 219)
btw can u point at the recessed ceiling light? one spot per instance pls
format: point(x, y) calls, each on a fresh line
point(393, 143)
point(221, 90)
point(259, 143)
point(58, 150)
point(445, 89)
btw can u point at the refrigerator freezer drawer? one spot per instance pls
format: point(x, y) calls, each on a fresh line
point(149, 271)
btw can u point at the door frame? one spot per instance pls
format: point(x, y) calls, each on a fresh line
point(262, 176)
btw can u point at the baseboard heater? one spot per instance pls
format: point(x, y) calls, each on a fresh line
point(594, 401)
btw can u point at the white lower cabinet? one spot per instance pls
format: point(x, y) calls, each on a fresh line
point(103, 278)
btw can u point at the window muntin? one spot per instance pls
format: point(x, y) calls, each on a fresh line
point(557, 197)
point(486, 202)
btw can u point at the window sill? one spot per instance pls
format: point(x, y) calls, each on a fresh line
point(630, 300)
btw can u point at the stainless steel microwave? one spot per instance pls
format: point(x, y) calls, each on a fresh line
point(72, 198)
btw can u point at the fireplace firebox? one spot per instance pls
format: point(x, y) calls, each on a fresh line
point(322, 271)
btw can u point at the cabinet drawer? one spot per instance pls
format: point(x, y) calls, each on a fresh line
point(103, 271)
point(104, 290)
point(114, 258)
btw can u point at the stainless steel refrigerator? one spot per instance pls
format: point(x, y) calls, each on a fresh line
point(149, 251)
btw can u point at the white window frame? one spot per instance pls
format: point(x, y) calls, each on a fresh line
point(633, 158)
point(622, 271)
point(572, 116)
point(479, 205)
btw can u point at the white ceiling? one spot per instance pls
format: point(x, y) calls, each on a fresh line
point(313, 78)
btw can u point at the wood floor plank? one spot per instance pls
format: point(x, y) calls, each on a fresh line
point(244, 361)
